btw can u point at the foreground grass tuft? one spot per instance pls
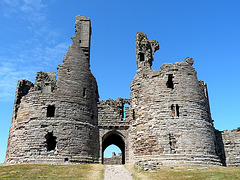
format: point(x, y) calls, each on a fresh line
point(187, 173)
point(37, 171)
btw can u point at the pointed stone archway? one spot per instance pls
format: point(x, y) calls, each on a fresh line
point(116, 138)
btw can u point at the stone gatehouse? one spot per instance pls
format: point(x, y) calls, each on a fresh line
point(167, 121)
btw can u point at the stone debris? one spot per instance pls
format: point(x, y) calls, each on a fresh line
point(113, 172)
point(203, 168)
point(148, 165)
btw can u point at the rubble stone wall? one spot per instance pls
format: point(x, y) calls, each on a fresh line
point(115, 159)
point(231, 141)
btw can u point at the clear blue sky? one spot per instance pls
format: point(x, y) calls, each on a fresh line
point(35, 35)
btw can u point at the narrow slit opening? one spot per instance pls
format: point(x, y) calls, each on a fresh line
point(177, 110)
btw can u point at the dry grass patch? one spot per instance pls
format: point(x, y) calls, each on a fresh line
point(42, 171)
point(187, 173)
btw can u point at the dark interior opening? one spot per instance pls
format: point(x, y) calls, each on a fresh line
point(51, 141)
point(116, 139)
point(50, 111)
point(65, 159)
point(133, 114)
point(170, 81)
point(141, 56)
point(177, 110)
point(84, 92)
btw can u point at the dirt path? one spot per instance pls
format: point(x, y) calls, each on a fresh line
point(116, 172)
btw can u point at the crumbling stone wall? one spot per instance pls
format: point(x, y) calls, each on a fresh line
point(57, 123)
point(171, 121)
point(115, 159)
point(113, 123)
point(23, 88)
point(113, 113)
point(231, 141)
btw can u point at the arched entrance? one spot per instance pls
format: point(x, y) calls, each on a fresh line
point(116, 138)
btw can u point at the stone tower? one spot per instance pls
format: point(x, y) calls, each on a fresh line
point(57, 123)
point(171, 121)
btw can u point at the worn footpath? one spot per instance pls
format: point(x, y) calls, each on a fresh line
point(116, 172)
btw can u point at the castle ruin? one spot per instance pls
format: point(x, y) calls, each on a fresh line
point(167, 123)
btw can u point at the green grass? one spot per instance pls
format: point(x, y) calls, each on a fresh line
point(36, 171)
point(187, 173)
point(96, 172)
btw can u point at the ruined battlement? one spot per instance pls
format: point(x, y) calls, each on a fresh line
point(113, 113)
point(145, 48)
point(45, 82)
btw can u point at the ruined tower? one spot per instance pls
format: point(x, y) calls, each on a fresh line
point(171, 121)
point(57, 123)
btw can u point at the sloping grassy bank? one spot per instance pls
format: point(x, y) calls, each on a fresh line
point(37, 171)
point(187, 173)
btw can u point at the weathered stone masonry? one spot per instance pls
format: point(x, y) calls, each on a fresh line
point(57, 123)
point(172, 122)
point(113, 123)
point(167, 121)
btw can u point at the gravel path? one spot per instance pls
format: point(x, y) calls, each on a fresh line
point(117, 172)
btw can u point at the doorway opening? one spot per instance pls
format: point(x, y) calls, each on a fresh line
point(113, 138)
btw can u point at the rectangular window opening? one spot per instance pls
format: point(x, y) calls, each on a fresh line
point(51, 111)
point(177, 110)
point(124, 110)
point(170, 81)
point(84, 92)
point(141, 56)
